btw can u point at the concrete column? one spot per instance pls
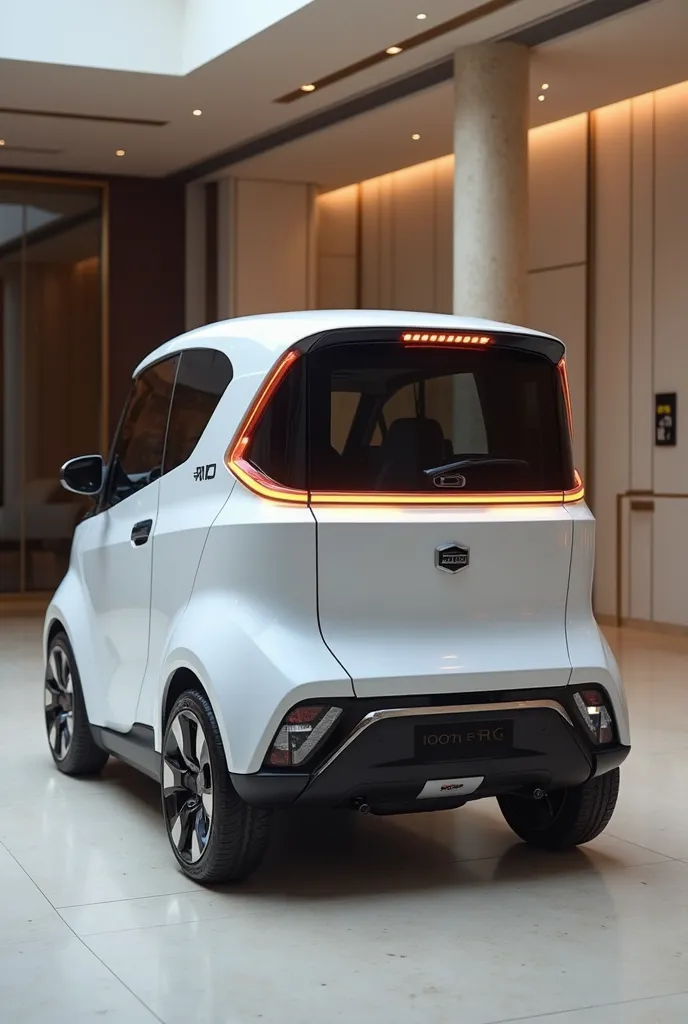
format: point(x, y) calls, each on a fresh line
point(491, 181)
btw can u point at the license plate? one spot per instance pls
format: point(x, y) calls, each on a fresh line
point(452, 741)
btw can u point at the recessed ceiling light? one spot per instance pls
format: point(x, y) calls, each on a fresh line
point(421, 17)
point(308, 88)
point(197, 112)
point(392, 50)
point(545, 85)
point(415, 137)
point(120, 152)
point(541, 98)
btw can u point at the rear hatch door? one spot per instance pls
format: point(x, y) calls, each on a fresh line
point(438, 474)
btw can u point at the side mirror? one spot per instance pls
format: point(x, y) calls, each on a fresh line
point(83, 475)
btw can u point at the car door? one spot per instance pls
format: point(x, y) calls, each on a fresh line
point(193, 489)
point(117, 550)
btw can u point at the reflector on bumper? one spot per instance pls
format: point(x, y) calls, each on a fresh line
point(593, 710)
point(301, 732)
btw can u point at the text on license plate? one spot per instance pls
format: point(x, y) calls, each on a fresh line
point(450, 741)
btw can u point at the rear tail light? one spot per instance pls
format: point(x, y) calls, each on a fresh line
point(592, 705)
point(301, 732)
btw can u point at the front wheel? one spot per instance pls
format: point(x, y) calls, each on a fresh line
point(566, 817)
point(66, 721)
point(214, 834)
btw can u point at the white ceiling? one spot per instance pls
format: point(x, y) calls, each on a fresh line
point(637, 52)
point(628, 54)
point(236, 91)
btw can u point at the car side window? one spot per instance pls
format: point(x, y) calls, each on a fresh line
point(137, 453)
point(202, 379)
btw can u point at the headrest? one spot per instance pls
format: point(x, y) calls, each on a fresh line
point(416, 436)
point(410, 446)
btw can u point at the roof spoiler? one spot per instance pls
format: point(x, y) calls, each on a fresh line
point(539, 344)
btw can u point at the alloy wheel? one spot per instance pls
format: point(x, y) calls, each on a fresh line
point(59, 703)
point(187, 786)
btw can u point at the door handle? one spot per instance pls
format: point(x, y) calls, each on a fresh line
point(141, 532)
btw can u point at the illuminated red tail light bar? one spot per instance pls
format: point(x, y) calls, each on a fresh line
point(424, 338)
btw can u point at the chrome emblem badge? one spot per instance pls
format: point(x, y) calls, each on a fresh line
point(451, 557)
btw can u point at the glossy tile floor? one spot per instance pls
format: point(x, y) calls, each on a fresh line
point(426, 918)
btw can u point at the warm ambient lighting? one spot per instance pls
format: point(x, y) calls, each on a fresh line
point(545, 85)
point(197, 112)
point(392, 50)
point(541, 98)
point(421, 17)
point(415, 337)
point(120, 152)
point(308, 88)
point(415, 137)
point(2, 142)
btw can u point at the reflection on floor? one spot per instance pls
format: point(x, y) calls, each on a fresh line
point(424, 918)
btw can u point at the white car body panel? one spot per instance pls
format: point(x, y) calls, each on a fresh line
point(109, 581)
point(240, 588)
point(591, 656)
point(187, 510)
point(252, 636)
point(401, 627)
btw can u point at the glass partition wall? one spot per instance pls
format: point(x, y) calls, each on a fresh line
point(51, 359)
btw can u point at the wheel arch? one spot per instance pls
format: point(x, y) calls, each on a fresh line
point(252, 663)
point(53, 627)
point(181, 680)
point(186, 673)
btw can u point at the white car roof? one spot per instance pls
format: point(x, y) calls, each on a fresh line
point(253, 343)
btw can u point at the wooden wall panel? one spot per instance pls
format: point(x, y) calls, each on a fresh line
point(147, 275)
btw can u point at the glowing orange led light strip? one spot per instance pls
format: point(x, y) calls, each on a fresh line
point(561, 366)
point(265, 487)
point(423, 338)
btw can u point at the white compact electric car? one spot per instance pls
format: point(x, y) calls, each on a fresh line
point(339, 558)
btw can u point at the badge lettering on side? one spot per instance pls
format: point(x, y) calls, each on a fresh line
point(205, 472)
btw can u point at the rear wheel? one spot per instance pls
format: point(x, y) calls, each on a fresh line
point(566, 817)
point(214, 834)
point(69, 733)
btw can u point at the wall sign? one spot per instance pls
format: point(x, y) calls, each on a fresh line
point(665, 419)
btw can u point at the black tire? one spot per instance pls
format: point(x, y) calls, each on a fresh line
point(215, 836)
point(69, 733)
point(564, 818)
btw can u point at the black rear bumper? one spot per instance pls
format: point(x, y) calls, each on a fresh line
point(374, 763)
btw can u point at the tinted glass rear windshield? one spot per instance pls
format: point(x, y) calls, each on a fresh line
point(382, 416)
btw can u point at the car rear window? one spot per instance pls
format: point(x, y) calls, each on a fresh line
point(386, 417)
point(379, 416)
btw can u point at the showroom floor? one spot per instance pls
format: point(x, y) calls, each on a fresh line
point(426, 918)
